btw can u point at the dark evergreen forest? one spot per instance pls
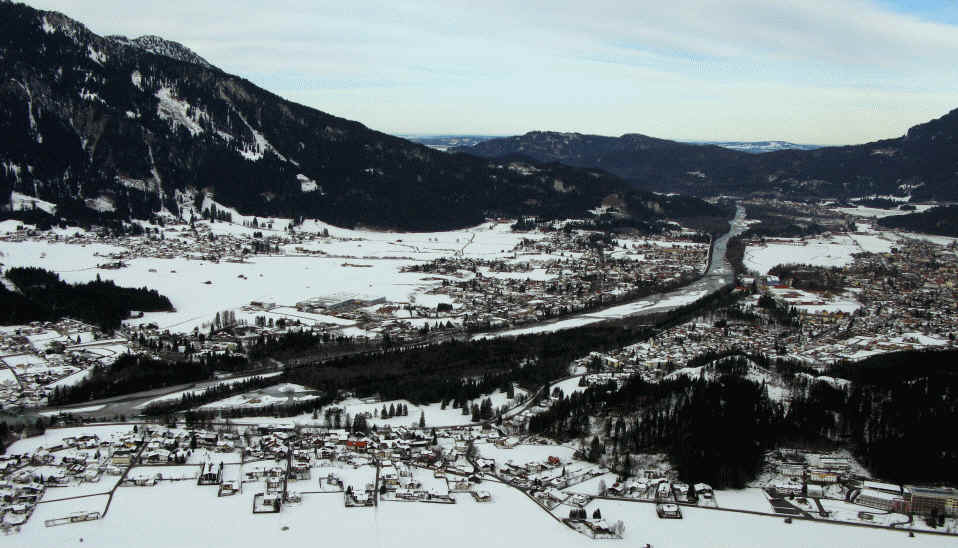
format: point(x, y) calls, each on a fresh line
point(896, 416)
point(44, 297)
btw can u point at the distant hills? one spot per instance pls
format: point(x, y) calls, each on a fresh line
point(758, 147)
point(923, 163)
point(463, 142)
point(446, 142)
point(108, 128)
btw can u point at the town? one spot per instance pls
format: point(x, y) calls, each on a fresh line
point(882, 292)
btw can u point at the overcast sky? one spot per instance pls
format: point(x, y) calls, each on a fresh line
point(847, 72)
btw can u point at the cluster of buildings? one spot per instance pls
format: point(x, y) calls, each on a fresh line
point(566, 273)
point(72, 461)
point(37, 357)
point(908, 300)
point(797, 473)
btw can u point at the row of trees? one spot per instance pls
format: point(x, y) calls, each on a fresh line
point(132, 373)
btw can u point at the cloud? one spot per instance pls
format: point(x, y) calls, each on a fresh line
point(745, 68)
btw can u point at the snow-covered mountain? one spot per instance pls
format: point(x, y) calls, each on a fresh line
point(161, 46)
point(109, 127)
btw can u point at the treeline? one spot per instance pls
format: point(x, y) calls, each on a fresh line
point(129, 374)
point(287, 344)
point(780, 222)
point(190, 400)
point(814, 278)
point(275, 410)
point(735, 253)
point(45, 298)
point(941, 220)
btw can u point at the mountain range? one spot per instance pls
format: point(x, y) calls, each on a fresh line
point(113, 128)
point(923, 163)
point(109, 128)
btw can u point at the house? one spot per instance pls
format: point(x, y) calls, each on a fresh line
point(598, 528)
point(835, 464)
point(788, 489)
point(122, 457)
point(212, 474)
point(228, 488)
point(818, 475)
point(880, 500)
point(927, 500)
point(791, 469)
point(664, 491)
point(359, 446)
point(264, 503)
point(481, 496)
point(668, 511)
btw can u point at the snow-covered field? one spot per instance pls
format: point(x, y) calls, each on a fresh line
point(199, 516)
point(7, 376)
point(88, 409)
point(835, 250)
point(878, 213)
point(742, 499)
point(832, 251)
point(525, 453)
point(815, 302)
point(281, 279)
point(435, 416)
point(54, 436)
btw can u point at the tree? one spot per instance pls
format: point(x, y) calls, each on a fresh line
point(597, 514)
point(595, 450)
point(603, 489)
point(392, 411)
point(422, 419)
point(627, 465)
point(359, 423)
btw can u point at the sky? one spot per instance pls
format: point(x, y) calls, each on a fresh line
point(838, 72)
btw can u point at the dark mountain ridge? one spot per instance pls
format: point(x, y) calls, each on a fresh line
point(116, 128)
point(923, 163)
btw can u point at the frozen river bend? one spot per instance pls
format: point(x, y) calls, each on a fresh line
point(718, 275)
